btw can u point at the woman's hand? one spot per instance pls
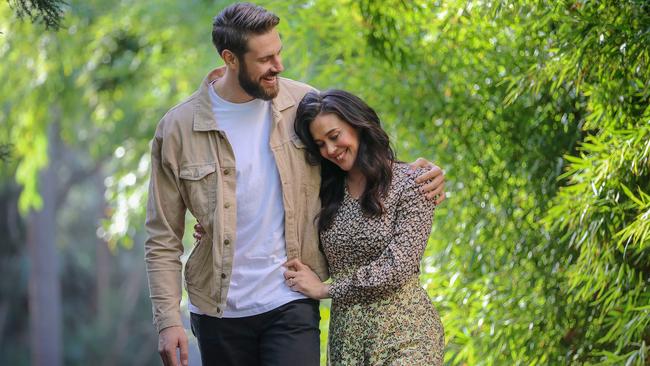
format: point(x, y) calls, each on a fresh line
point(198, 231)
point(299, 277)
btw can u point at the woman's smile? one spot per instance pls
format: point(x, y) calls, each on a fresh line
point(336, 139)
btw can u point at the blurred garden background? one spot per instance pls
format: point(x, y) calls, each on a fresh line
point(538, 111)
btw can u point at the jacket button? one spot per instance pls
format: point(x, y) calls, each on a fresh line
point(226, 205)
point(226, 171)
point(227, 241)
point(223, 275)
point(218, 309)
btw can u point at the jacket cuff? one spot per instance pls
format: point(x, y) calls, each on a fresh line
point(167, 321)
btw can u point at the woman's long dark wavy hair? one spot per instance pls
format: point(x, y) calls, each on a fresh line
point(374, 159)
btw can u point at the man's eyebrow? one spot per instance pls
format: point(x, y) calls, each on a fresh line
point(268, 55)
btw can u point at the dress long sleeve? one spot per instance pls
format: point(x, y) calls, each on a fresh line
point(400, 259)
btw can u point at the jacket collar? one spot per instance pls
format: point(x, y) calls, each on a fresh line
point(204, 119)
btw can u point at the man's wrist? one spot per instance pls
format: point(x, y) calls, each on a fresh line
point(170, 328)
point(170, 320)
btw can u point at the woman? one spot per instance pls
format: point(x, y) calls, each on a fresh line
point(373, 227)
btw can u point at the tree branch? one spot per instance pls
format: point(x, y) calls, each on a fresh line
point(49, 12)
point(78, 176)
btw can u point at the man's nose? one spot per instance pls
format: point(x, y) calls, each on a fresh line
point(277, 66)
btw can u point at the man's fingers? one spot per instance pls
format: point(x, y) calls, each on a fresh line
point(169, 340)
point(436, 184)
point(433, 195)
point(168, 356)
point(420, 163)
point(433, 173)
point(437, 197)
point(441, 198)
point(162, 351)
point(184, 353)
point(433, 188)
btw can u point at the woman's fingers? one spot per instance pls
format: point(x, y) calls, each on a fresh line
point(199, 228)
point(290, 274)
point(297, 265)
point(293, 263)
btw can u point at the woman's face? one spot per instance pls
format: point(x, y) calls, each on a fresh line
point(336, 139)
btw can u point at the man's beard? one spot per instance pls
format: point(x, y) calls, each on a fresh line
point(254, 88)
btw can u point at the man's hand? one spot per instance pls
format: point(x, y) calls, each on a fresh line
point(434, 178)
point(169, 340)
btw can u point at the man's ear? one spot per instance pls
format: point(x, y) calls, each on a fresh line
point(230, 59)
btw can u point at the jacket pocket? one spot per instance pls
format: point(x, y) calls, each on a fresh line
point(198, 267)
point(199, 181)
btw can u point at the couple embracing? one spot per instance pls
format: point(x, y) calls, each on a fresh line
point(290, 186)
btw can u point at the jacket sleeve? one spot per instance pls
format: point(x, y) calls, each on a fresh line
point(400, 260)
point(165, 224)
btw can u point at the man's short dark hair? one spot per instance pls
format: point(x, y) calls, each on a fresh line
point(234, 24)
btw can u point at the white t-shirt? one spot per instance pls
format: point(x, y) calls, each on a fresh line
point(257, 281)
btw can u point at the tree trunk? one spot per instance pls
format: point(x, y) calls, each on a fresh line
point(44, 284)
point(103, 259)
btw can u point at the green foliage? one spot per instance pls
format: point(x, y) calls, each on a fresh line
point(601, 209)
point(446, 97)
point(106, 78)
point(537, 110)
point(580, 263)
point(5, 152)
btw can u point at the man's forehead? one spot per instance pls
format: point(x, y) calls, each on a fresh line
point(263, 44)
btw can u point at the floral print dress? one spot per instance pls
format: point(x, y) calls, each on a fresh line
point(380, 314)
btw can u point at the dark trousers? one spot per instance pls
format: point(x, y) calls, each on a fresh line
point(288, 335)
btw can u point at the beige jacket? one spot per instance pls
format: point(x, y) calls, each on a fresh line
point(193, 168)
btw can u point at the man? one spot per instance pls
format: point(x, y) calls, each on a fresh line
point(229, 155)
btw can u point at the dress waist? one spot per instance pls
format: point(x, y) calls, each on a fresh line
point(409, 291)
